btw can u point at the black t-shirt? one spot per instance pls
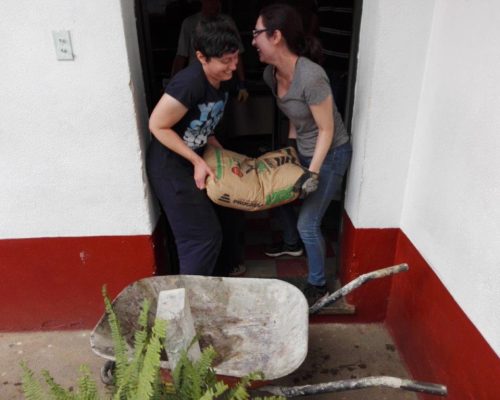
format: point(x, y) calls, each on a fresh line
point(205, 105)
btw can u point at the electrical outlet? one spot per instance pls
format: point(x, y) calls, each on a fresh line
point(62, 42)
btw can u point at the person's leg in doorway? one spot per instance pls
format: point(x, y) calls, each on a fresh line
point(230, 260)
point(190, 213)
point(287, 220)
point(311, 215)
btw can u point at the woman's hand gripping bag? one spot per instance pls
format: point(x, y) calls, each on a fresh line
point(253, 184)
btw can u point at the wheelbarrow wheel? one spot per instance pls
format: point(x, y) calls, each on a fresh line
point(107, 372)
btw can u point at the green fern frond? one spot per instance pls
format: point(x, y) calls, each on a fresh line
point(119, 344)
point(158, 388)
point(208, 395)
point(56, 390)
point(252, 376)
point(31, 386)
point(143, 316)
point(204, 364)
point(141, 335)
point(214, 392)
point(184, 377)
point(87, 389)
point(151, 366)
point(178, 372)
point(140, 340)
point(220, 388)
point(130, 377)
point(239, 392)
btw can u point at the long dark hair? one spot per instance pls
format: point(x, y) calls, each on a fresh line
point(286, 19)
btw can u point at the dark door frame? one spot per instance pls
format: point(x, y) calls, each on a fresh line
point(143, 33)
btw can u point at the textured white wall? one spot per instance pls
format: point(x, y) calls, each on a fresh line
point(391, 61)
point(72, 133)
point(452, 205)
point(426, 134)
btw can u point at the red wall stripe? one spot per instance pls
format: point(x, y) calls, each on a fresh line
point(55, 283)
point(365, 250)
point(435, 337)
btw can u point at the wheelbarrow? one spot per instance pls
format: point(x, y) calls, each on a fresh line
point(253, 325)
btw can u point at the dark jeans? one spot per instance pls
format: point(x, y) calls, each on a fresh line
point(307, 225)
point(189, 211)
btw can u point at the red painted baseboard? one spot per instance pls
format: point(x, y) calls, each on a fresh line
point(55, 283)
point(366, 250)
point(436, 339)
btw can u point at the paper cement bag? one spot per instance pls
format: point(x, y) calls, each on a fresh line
point(253, 184)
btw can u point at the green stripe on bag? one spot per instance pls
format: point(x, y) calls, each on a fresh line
point(218, 170)
point(280, 196)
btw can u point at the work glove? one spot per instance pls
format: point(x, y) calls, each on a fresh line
point(242, 92)
point(307, 184)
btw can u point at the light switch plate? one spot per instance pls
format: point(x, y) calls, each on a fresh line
point(62, 42)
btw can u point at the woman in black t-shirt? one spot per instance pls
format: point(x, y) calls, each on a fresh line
point(182, 124)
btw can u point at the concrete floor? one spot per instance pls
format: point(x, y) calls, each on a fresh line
point(336, 351)
point(349, 351)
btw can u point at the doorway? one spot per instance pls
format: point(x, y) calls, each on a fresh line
point(159, 23)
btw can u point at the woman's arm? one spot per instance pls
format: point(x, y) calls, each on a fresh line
point(292, 132)
point(166, 114)
point(323, 117)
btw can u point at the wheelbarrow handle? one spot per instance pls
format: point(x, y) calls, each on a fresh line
point(354, 284)
point(353, 384)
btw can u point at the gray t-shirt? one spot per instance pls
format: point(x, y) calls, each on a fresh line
point(310, 85)
point(185, 43)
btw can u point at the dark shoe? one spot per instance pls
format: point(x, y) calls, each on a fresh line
point(314, 293)
point(239, 270)
point(281, 249)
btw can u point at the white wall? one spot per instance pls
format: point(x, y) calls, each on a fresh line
point(72, 133)
point(452, 206)
point(391, 61)
point(426, 133)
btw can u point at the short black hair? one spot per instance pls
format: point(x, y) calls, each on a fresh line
point(214, 37)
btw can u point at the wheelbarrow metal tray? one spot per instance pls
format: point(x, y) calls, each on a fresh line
point(253, 324)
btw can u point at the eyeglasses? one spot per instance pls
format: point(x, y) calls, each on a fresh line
point(257, 32)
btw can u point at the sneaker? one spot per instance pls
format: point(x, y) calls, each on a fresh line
point(314, 293)
point(239, 270)
point(281, 249)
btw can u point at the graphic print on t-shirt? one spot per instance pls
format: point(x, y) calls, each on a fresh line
point(197, 132)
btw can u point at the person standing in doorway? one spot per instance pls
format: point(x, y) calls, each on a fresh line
point(182, 124)
point(230, 261)
point(303, 93)
point(185, 50)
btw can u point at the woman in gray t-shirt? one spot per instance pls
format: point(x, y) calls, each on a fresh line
point(303, 93)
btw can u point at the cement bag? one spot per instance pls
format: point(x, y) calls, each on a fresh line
point(253, 184)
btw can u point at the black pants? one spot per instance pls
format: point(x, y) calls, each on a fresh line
point(189, 211)
point(232, 223)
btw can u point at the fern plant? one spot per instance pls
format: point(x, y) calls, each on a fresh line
point(34, 390)
point(198, 381)
point(139, 376)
